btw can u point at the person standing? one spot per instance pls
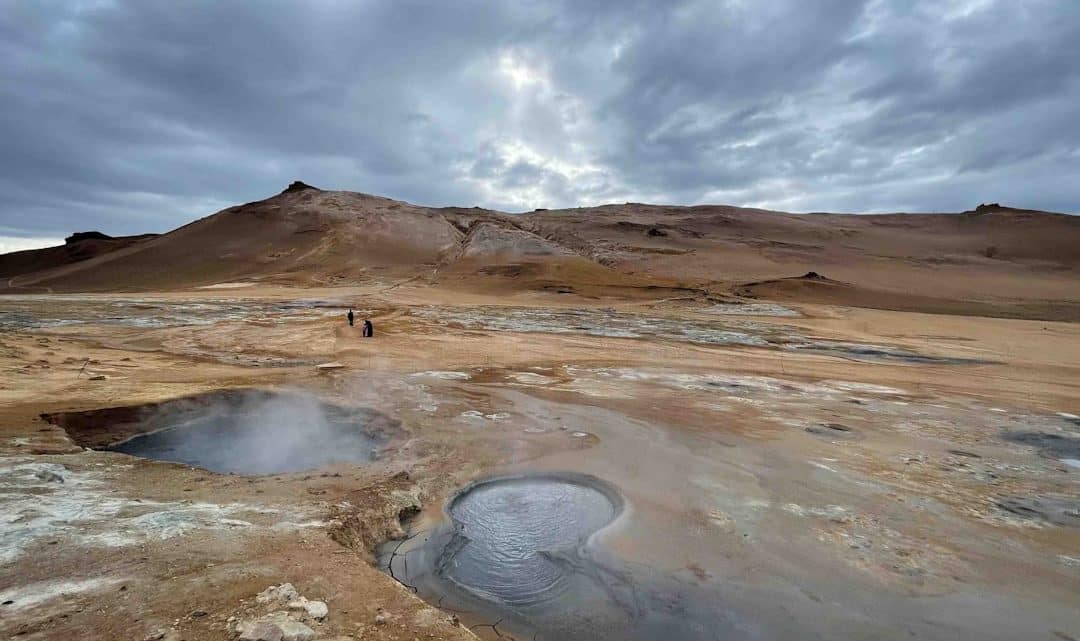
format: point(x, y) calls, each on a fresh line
point(350, 317)
point(369, 329)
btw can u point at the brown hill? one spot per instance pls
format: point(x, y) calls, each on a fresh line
point(303, 235)
point(77, 247)
point(993, 260)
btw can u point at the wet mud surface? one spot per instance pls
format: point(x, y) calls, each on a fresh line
point(1049, 444)
point(615, 324)
point(599, 323)
point(859, 351)
point(520, 556)
point(40, 312)
point(751, 309)
point(510, 533)
point(248, 432)
point(835, 431)
point(1050, 510)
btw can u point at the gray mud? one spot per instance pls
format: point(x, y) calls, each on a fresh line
point(613, 324)
point(860, 351)
point(963, 453)
point(521, 556)
point(40, 312)
point(259, 433)
point(835, 431)
point(751, 309)
point(1049, 445)
point(607, 323)
point(1051, 510)
point(512, 530)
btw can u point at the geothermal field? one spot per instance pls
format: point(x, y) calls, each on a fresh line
point(624, 422)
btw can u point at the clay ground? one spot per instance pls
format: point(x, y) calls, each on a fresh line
point(822, 494)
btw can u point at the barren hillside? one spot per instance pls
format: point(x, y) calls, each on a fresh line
point(77, 247)
point(993, 260)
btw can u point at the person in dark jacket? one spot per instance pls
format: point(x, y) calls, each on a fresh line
point(350, 317)
point(369, 329)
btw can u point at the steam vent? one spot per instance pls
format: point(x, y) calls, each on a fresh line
point(241, 432)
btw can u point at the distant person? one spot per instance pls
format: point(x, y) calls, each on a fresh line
point(369, 329)
point(350, 317)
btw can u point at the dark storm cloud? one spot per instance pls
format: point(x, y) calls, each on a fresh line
point(139, 115)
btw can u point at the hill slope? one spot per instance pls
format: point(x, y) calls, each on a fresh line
point(992, 256)
point(77, 247)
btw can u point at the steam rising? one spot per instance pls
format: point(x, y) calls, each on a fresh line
point(260, 433)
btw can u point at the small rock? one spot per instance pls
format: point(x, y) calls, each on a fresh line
point(295, 631)
point(329, 366)
point(314, 609)
point(98, 377)
point(261, 631)
point(283, 593)
point(317, 610)
point(276, 627)
point(380, 619)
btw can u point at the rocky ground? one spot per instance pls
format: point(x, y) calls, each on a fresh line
point(827, 472)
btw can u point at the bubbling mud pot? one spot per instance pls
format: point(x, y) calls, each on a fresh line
point(510, 529)
point(521, 556)
point(238, 431)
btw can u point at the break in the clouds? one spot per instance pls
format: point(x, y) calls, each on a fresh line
point(134, 116)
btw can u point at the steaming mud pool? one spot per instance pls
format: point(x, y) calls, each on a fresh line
point(523, 556)
point(241, 432)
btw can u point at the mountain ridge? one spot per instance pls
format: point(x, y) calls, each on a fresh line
point(308, 236)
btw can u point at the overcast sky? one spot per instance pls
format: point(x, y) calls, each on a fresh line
point(133, 116)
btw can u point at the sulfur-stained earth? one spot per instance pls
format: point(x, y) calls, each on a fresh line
point(820, 472)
